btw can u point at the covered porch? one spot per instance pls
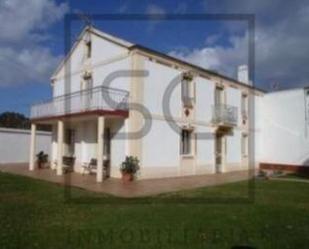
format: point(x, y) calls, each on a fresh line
point(80, 142)
point(83, 124)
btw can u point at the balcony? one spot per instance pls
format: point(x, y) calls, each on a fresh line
point(224, 115)
point(97, 99)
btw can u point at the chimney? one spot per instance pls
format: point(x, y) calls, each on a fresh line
point(243, 74)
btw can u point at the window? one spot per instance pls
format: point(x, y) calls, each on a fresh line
point(186, 142)
point(69, 138)
point(187, 92)
point(244, 145)
point(107, 142)
point(219, 95)
point(87, 83)
point(88, 49)
point(244, 106)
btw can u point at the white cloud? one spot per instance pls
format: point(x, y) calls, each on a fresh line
point(26, 65)
point(23, 26)
point(19, 18)
point(281, 44)
point(206, 57)
point(212, 39)
point(217, 58)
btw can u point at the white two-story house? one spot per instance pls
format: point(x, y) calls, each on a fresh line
point(112, 98)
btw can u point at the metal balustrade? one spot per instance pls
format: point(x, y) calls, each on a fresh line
point(82, 101)
point(224, 115)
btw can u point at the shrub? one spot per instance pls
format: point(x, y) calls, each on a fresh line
point(130, 165)
point(42, 159)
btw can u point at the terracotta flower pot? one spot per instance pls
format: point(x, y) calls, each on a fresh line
point(42, 165)
point(127, 177)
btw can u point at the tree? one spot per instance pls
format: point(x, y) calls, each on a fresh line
point(18, 121)
point(14, 120)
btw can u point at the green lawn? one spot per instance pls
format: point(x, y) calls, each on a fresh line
point(297, 176)
point(34, 214)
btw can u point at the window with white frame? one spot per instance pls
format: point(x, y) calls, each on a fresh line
point(244, 145)
point(88, 83)
point(187, 90)
point(186, 142)
point(88, 48)
point(244, 106)
point(219, 95)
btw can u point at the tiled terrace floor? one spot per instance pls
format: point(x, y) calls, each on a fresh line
point(137, 188)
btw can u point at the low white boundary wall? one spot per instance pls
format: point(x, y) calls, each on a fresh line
point(15, 144)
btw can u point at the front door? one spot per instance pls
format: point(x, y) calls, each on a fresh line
point(219, 152)
point(107, 152)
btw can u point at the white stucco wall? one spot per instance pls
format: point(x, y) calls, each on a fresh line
point(118, 143)
point(155, 86)
point(101, 72)
point(205, 150)
point(106, 57)
point(89, 141)
point(257, 118)
point(15, 144)
point(161, 146)
point(103, 49)
point(233, 147)
point(204, 90)
point(284, 137)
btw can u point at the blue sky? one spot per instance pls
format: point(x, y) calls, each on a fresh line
point(31, 49)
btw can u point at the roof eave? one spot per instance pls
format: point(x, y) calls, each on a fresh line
point(168, 57)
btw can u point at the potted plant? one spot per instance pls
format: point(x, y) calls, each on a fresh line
point(41, 159)
point(128, 168)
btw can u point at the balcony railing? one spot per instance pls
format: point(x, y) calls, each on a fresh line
point(225, 115)
point(81, 101)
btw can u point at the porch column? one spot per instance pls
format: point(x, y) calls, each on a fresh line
point(100, 148)
point(54, 147)
point(32, 147)
point(59, 147)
